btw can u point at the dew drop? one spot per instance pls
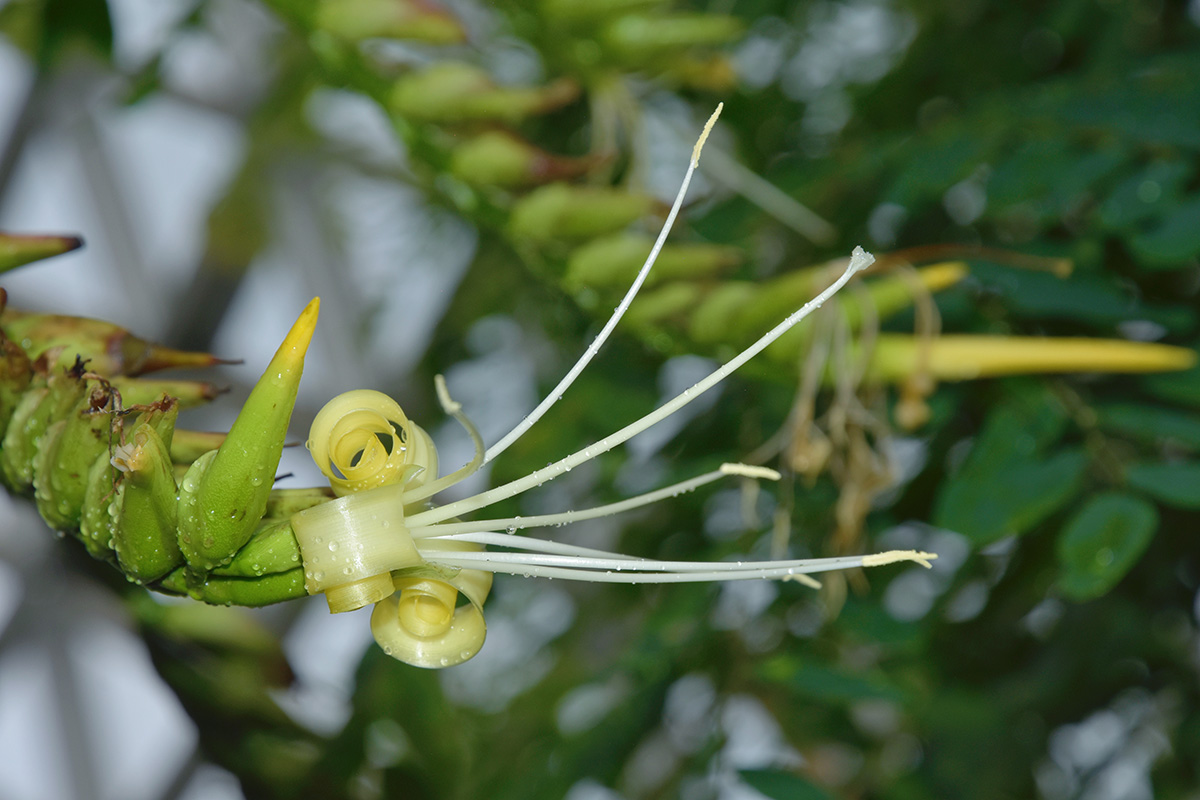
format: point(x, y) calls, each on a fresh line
point(333, 546)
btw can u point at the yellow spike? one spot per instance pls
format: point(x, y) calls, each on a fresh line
point(964, 357)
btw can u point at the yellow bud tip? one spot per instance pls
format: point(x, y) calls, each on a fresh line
point(894, 556)
point(295, 344)
point(708, 126)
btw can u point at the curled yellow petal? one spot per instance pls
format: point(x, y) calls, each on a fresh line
point(424, 625)
point(362, 439)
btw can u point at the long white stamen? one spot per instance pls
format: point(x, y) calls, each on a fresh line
point(859, 260)
point(454, 409)
point(531, 545)
point(557, 393)
point(565, 518)
point(607, 570)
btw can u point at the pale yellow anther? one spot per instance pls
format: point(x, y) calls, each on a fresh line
point(708, 126)
point(750, 471)
point(895, 556)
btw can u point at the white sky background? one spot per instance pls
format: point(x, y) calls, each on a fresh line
point(82, 712)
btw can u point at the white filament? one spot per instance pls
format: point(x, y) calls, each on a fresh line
point(622, 569)
point(443, 529)
point(556, 394)
point(859, 260)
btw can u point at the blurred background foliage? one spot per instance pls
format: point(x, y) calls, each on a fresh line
point(1052, 651)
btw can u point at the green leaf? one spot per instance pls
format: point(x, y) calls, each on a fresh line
point(1006, 485)
point(986, 507)
point(1175, 485)
point(1102, 542)
point(782, 785)
point(1086, 298)
point(1172, 244)
point(1151, 423)
point(826, 684)
point(1176, 387)
point(1145, 194)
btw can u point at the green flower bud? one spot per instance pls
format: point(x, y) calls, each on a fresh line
point(640, 39)
point(562, 211)
point(224, 494)
point(109, 349)
point(418, 20)
point(452, 92)
point(614, 261)
point(499, 158)
point(144, 535)
point(16, 250)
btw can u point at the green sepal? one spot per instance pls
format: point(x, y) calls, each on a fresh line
point(97, 523)
point(271, 550)
point(224, 494)
point(144, 536)
point(221, 591)
point(31, 420)
point(64, 460)
point(16, 372)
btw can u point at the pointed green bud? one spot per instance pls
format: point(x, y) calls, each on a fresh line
point(614, 261)
point(714, 73)
point(187, 446)
point(658, 307)
point(562, 211)
point(639, 39)
point(225, 493)
point(16, 250)
point(109, 349)
point(417, 20)
point(452, 92)
point(500, 158)
point(588, 11)
point(144, 535)
point(143, 391)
